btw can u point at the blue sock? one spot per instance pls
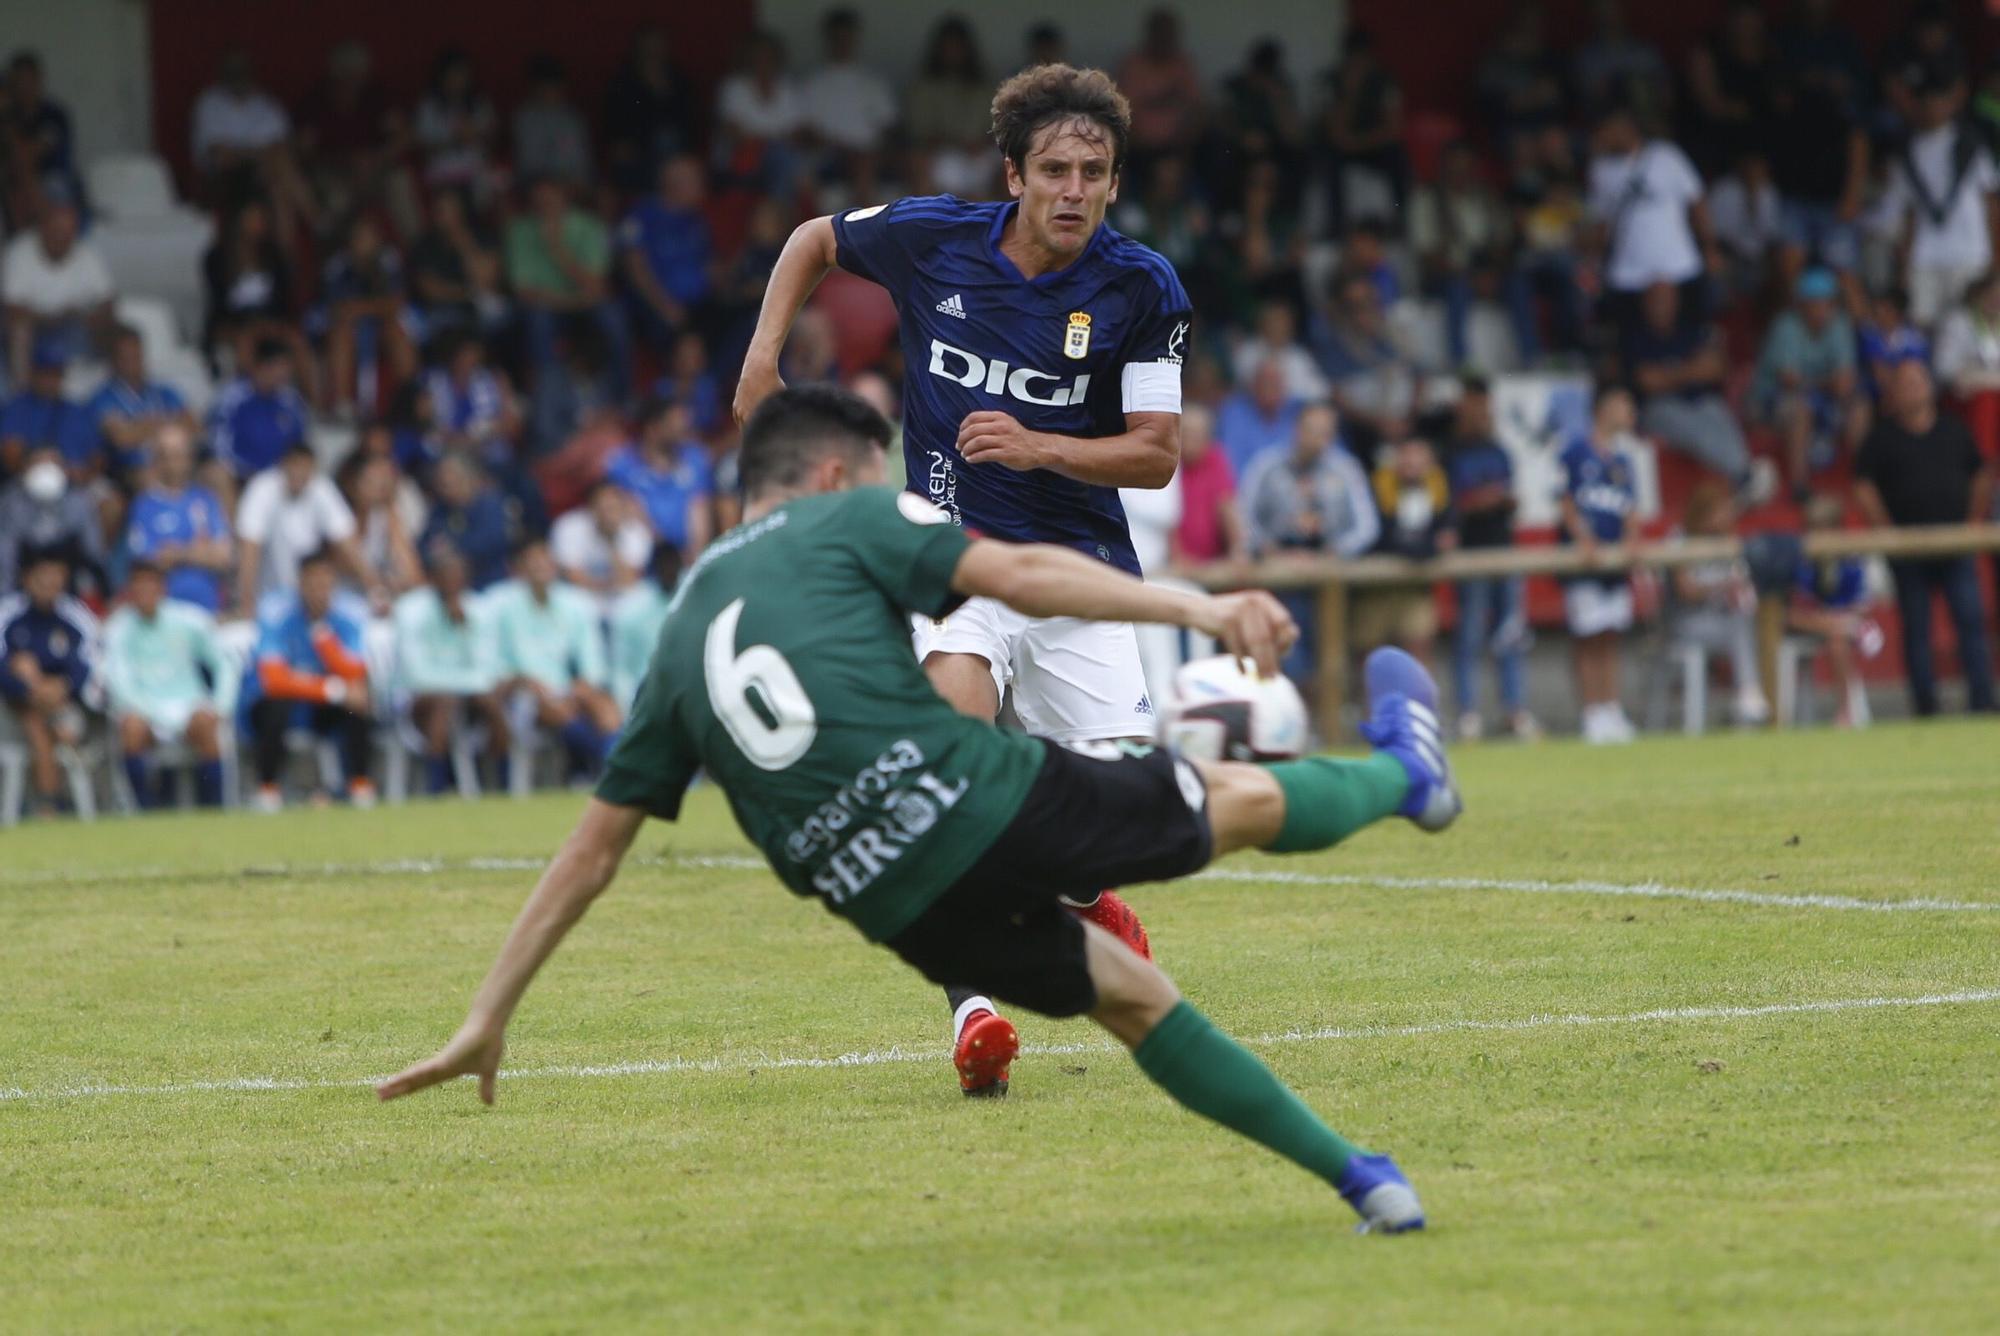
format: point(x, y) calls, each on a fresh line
point(437, 772)
point(581, 740)
point(137, 774)
point(208, 783)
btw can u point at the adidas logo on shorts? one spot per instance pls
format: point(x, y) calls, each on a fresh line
point(953, 305)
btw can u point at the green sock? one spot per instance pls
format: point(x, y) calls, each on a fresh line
point(1327, 798)
point(1218, 1078)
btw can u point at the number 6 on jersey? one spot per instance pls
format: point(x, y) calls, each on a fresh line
point(756, 695)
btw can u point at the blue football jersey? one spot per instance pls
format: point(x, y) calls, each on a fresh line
point(1070, 352)
point(1602, 488)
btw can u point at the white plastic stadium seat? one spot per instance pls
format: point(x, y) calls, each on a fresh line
point(152, 242)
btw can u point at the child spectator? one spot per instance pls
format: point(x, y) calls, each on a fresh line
point(48, 642)
point(1597, 501)
point(164, 678)
point(448, 662)
point(311, 674)
point(1712, 605)
point(1831, 604)
point(179, 527)
point(1492, 616)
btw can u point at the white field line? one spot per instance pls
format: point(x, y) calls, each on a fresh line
point(902, 1054)
point(1645, 890)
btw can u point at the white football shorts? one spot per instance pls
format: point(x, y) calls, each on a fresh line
point(1073, 681)
point(1593, 609)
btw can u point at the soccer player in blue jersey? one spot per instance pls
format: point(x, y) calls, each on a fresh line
point(1043, 373)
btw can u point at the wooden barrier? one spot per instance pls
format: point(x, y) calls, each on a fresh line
point(1332, 578)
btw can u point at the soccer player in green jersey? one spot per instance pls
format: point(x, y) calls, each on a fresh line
point(783, 671)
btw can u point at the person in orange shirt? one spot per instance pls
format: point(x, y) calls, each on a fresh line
point(310, 673)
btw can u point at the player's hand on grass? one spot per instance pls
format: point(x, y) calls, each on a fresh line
point(474, 1050)
point(1251, 625)
point(758, 381)
point(992, 437)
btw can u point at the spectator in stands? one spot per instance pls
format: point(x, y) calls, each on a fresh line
point(1311, 498)
point(311, 675)
point(667, 254)
point(1277, 340)
point(387, 516)
point(559, 260)
point(1819, 144)
point(759, 113)
point(455, 269)
point(1678, 367)
point(1492, 612)
point(636, 619)
point(739, 289)
point(1919, 466)
point(366, 320)
point(1597, 502)
point(1831, 604)
point(57, 288)
point(1261, 109)
point(163, 677)
point(1374, 381)
point(473, 410)
point(847, 107)
point(454, 126)
point(1360, 127)
point(1807, 384)
point(1652, 224)
point(1256, 418)
point(40, 418)
point(37, 148)
point(1941, 193)
point(1884, 334)
point(250, 294)
point(129, 410)
point(470, 514)
point(448, 660)
point(1261, 244)
point(48, 642)
point(1211, 527)
point(947, 112)
point(1553, 226)
point(258, 417)
point(552, 657)
point(551, 137)
point(1712, 606)
point(180, 527)
point(1749, 224)
point(1520, 82)
point(602, 546)
point(1731, 82)
point(1164, 85)
point(352, 142)
point(287, 513)
point(1461, 234)
point(650, 113)
point(668, 474)
point(688, 380)
point(1413, 500)
point(243, 146)
point(1614, 66)
point(1968, 360)
point(43, 513)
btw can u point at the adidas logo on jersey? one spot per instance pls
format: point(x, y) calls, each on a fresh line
point(953, 305)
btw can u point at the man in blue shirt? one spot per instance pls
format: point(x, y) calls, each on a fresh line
point(48, 644)
point(180, 526)
point(470, 516)
point(310, 673)
point(1258, 417)
point(39, 417)
point(129, 410)
point(1597, 500)
point(1043, 352)
point(256, 417)
point(668, 475)
point(666, 251)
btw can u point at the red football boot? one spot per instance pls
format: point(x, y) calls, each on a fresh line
point(985, 1048)
point(1109, 912)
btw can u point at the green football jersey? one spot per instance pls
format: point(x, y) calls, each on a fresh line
point(785, 670)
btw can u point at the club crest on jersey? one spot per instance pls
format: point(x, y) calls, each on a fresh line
point(1076, 341)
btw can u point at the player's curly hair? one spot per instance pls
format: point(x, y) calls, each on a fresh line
point(1047, 94)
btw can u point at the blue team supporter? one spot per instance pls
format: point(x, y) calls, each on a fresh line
point(1598, 499)
point(40, 418)
point(48, 651)
point(129, 410)
point(257, 417)
point(180, 526)
point(668, 474)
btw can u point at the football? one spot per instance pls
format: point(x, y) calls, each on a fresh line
point(1219, 710)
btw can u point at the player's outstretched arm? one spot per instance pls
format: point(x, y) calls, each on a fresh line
point(807, 256)
point(1045, 581)
point(584, 867)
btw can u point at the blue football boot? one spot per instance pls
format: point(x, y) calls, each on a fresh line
point(1403, 721)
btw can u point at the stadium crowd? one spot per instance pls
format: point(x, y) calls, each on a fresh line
point(1775, 260)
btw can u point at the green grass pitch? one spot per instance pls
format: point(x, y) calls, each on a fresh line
point(1627, 1107)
